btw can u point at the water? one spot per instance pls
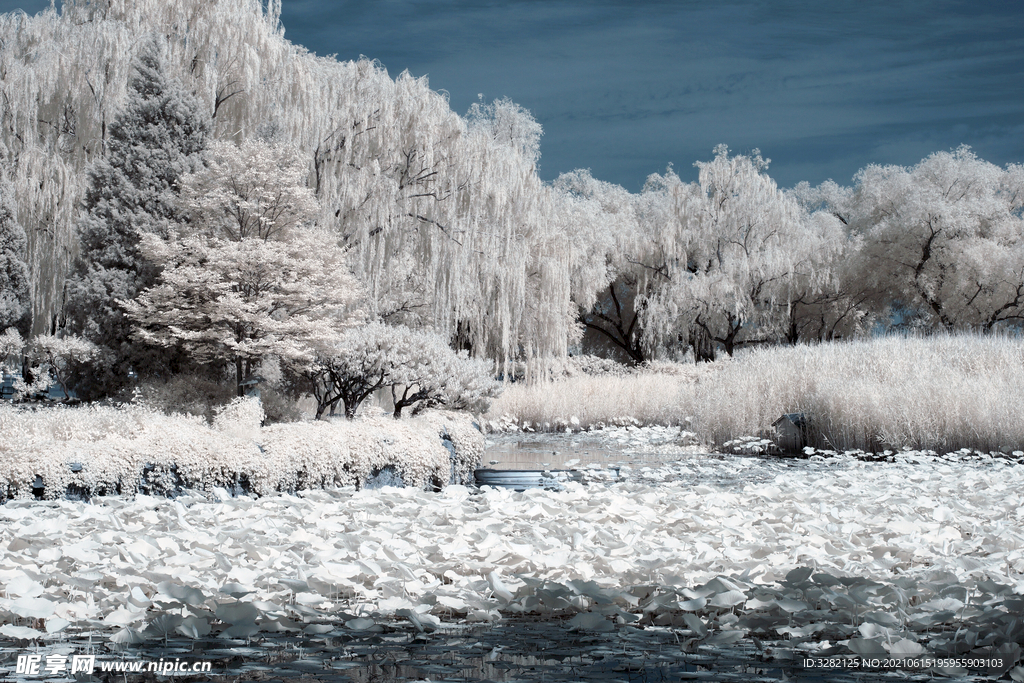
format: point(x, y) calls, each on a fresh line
point(517, 649)
point(632, 446)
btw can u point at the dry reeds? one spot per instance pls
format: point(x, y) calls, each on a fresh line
point(939, 393)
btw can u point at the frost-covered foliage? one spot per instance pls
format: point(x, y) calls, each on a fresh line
point(940, 393)
point(253, 190)
point(123, 449)
point(239, 302)
point(509, 124)
point(419, 367)
point(733, 252)
point(607, 230)
point(153, 142)
point(723, 261)
point(54, 358)
point(250, 278)
point(11, 347)
point(188, 394)
point(15, 299)
point(944, 238)
point(350, 368)
point(427, 372)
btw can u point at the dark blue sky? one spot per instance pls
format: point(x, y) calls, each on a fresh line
point(625, 87)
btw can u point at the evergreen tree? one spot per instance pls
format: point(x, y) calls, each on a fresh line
point(156, 139)
point(14, 275)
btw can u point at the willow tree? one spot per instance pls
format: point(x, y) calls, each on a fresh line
point(14, 275)
point(732, 252)
point(609, 278)
point(840, 302)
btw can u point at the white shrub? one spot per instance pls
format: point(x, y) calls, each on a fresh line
point(121, 448)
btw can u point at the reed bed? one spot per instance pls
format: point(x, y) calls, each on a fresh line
point(939, 393)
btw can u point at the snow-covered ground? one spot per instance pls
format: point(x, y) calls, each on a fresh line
point(922, 555)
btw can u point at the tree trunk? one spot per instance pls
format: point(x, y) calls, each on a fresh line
point(239, 376)
point(702, 344)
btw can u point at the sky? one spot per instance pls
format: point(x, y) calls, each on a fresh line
point(627, 87)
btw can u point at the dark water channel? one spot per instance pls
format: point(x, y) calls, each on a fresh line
point(517, 649)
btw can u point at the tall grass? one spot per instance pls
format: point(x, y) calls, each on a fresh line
point(939, 393)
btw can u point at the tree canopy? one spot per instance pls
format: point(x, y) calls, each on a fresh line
point(235, 194)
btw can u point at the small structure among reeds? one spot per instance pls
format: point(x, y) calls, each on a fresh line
point(792, 432)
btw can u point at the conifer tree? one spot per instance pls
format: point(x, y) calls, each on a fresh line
point(14, 274)
point(155, 140)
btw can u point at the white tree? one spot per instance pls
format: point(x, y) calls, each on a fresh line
point(55, 357)
point(418, 365)
point(350, 367)
point(11, 348)
point(605, 223)
point(730, 256)
point(257, 280)
point(944, 240)
point(254, 190)
point(839, 303)
point(427, 372)
point(508, 124)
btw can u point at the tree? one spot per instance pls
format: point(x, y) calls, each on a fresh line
point(943, 240)
point(56, 357)
point(427, 372)
point(155, 140)
point(508, 124)
point(257, 279)
point(604, 220)
point(11, 347)
point(15, 304)
point(254, 190)
point(351, 367)
point(836, 304)
point(731, 257)
point(418, 365)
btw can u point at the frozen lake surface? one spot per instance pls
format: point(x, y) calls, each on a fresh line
point(702, 566)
